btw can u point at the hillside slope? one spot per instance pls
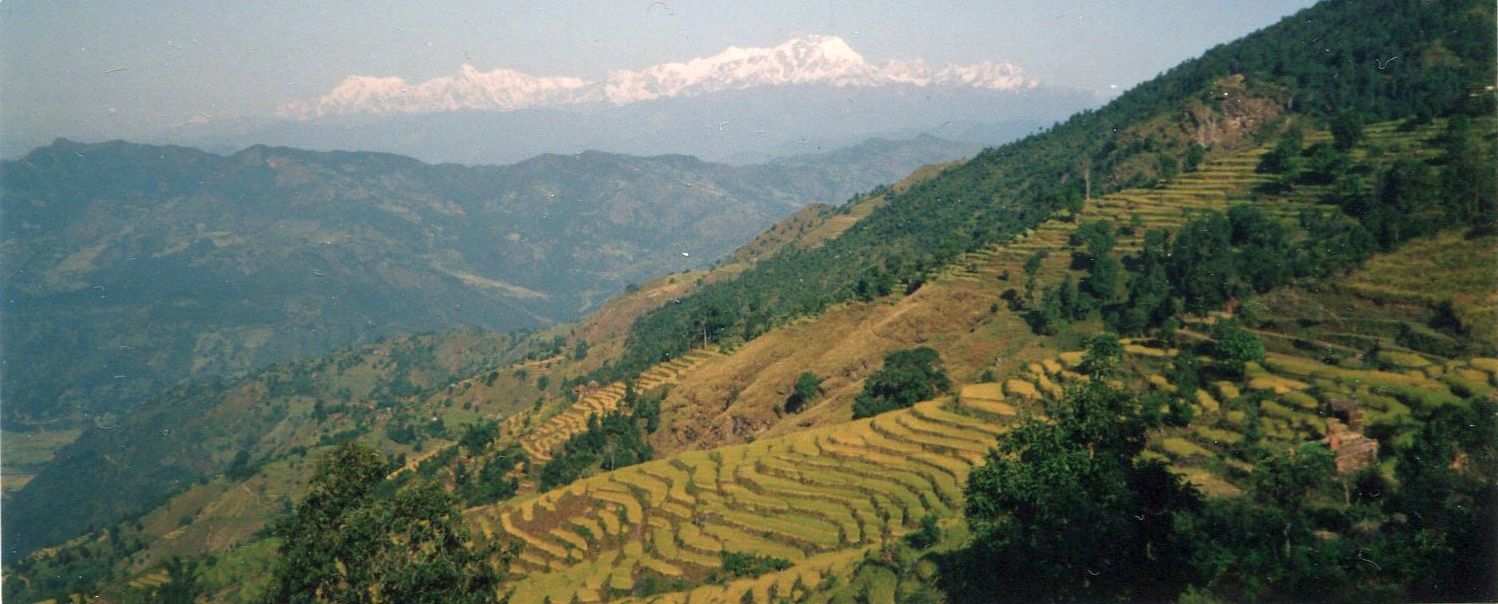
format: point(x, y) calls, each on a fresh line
point(817, 491)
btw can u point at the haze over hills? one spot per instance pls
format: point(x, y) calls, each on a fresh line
point(197, 264)
point(740, 105)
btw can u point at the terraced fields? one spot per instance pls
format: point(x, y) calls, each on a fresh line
point(1297, 397)
point(1133, 212)
point(539, 441)
point(824, 497)
point(796, 498)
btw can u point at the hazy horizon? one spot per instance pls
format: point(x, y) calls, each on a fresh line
point(103, 72)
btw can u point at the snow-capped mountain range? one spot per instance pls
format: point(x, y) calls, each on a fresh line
point(813, 59)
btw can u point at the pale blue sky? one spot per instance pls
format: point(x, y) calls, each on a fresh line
point(127, 69)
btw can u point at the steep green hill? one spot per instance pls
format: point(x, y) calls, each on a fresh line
point(1221, 100)
point(130, 268)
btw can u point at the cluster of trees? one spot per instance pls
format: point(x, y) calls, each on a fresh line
point(1071, 300)
point(495, 480)
point(741, 564)
point(76, 567)
point(1414, 198)
point(1065, 509)
point(906, 378)
point(807, 389)
point(614, 440)
point(345, 543)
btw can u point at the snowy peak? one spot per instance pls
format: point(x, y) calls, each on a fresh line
point(802, 60)
point(811, 59)
point(500, 90)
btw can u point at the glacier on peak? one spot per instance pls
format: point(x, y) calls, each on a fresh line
point(809, 59)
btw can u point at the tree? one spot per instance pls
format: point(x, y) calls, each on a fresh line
point(239, 467)
point(907, 377)
point(1167, 166)
point(1096, 238)
point(1104, 353)
point(476, 437)
point(1285, 480)
point(1200, 263)
point(807, 388)
point(1324, 164)
point(1063, 509)
point(1285, 156)
point(1101, 283)
point(1347, 130)
point(1236, 347)
point(182, 586)
point(345, 544)
point(926, 536)
point(1032, 271)
point(1468, 181)
point(1147, 303)
point(1046, 318)
point(1448, 494)
point(1194, 156)
point(1263, 257)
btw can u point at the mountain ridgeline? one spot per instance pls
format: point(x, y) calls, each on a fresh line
point(131, 267)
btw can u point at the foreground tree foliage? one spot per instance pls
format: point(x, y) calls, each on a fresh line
point(344, 543)
point(1065, 511)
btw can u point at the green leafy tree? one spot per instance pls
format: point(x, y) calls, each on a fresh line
point(1167, 166)
point(807, 388)
point(1285, 156)
point(1286, 480)
point(1347, 130)
point(182, 583)
point(1264, 545)
point(1194, 156)
point(1236, 347)
point(927, 535)
point(1065, 510)
point(476, 437)
point(1200, 263)
point(1032, 272)
point(343, 543)
point(1104, 353)
point(907, 377)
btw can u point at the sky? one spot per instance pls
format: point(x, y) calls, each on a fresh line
point(105, 69)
